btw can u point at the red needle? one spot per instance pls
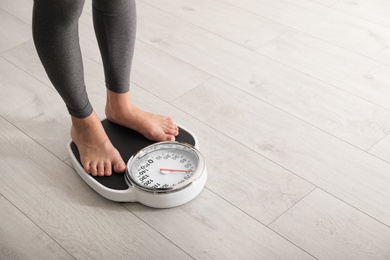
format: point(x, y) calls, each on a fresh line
point(173, 170)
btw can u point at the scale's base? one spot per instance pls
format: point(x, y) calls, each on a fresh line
point(129, 142)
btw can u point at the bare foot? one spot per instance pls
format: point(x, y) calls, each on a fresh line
point(97, 154)
point(154, 127)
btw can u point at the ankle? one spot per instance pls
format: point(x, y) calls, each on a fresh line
point(118, 106)
point(117, 100)
point(85, 123)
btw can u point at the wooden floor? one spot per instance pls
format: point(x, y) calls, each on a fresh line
point(290, 100)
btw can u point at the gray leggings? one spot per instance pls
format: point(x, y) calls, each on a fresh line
point(55, 33)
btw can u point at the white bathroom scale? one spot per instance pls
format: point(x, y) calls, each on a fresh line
point(158, 174)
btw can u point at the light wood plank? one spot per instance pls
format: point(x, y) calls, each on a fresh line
point(302, 96)
point(329, 229)
point(88, 7)
point(350, 174)
point(163, 75)
point(326, 2)
point(22, 9)
point(20, 33)
point(347, 31)
point(382, 149)
point(374, 10)
point(39, 109)
point(88, 42)
point(209, 228)
point(226, 20)
point(25, 57)
point(54, 197)
point(250, 182)
point(22, 239)
point(343, 69)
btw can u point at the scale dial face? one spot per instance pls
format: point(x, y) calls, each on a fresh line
point(165, 167)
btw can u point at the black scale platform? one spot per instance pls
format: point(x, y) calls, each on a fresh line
point(128, 142)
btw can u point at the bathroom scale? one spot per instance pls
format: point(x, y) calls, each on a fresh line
point(158, 174)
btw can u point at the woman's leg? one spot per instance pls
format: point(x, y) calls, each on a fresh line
point(55, 33)
point(115, 28)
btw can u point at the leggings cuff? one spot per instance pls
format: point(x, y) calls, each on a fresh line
point(118, 89)
point(83, 113)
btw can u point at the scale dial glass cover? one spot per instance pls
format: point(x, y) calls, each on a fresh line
point(165, 167)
